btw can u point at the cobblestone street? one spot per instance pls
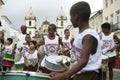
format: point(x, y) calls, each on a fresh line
point(116, 75)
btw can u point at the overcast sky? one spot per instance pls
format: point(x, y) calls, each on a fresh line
point(16, 10)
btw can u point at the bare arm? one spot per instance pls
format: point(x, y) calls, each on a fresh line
point(87, 48)
point(117, 41)
point(25, 61)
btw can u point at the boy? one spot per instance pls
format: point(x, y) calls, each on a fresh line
point(86, 47)
point(52, 44)
point(66, 43)
point(108, 44)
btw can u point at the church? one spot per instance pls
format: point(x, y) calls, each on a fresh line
point(30, 21)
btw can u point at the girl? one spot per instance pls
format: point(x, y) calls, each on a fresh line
point(31, 58)
point(9, 51)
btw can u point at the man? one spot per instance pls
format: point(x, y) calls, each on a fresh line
point(86, 46)
point(21, 37)
point(20, 41)
point(108, 47)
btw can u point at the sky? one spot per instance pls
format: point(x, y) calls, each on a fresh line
point(16, 10)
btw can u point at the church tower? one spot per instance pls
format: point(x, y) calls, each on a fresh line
point(61, 22)
point(30, 21)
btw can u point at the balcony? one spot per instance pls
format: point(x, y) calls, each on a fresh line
point(115, 27)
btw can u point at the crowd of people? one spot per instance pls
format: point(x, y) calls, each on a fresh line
point(85, 49)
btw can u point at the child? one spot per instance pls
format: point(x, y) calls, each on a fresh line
point(41, 48)
point(52, 41)
point(32, 58)
point(24, 48)
point(108, 43)
point(86, 46)
point(8, 59)
point(52, 44)
point(66, 43)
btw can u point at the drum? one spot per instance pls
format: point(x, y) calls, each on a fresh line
point(52, 63)
point(8, 60)
point(19, 65)
point(24, 76)
point(104, 63)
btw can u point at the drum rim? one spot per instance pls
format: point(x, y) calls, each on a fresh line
point(25, 72)
point(54, 69)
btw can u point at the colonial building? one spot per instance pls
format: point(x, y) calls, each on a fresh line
point(96, 20)
point(61, 22)
point(30, 21)
point(1, 3)
point(43, 30)
point(111, 13)
point(8, 28)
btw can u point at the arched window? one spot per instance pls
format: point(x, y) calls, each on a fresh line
point(61, 23)
point(29, 23)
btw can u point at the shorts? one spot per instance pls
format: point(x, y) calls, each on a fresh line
point(111, 63)
point(88, 75)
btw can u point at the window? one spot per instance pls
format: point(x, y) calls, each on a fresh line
point(111, 18)
point(29, 32)
point(118, 16)
point(111, 1)
point(106, 19)
point(29, 23)
point(106, 3)
point(61, 23)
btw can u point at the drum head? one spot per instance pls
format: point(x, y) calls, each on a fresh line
point(65, 58)
point(52, 64)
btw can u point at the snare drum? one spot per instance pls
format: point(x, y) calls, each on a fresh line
point(8, 60)
point(104, 63)
point(52, 65)
point(24, 76)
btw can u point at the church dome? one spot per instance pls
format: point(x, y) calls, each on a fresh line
point(30, 14)
point(45, 22)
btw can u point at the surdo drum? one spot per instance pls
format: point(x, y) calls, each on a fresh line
point(24, 75)
point(54, 62)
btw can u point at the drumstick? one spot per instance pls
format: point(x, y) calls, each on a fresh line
point(59, 59)
point(64, 65)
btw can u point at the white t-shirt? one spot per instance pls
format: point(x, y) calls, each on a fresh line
point(21, 40)
point(94, 62)
point(108, 42)
point(66, 43)
point(51, 48)
point(32, 59)
point(51, 45)
point(8, 49)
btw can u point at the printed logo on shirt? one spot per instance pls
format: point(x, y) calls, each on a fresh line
point(66, 45)
point(52, 48)
point(106, 44)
